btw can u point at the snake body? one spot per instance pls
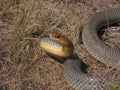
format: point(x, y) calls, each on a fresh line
point(91, 41)
point(102, 52)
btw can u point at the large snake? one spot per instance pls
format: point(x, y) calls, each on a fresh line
point(59, 45)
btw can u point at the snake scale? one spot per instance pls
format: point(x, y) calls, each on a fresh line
point(56, 44)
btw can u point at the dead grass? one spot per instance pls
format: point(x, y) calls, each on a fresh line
point(22, 23)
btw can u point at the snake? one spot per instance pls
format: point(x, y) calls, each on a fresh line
point(59, 45)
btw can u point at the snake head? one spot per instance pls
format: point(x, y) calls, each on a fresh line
point(60, 38)
point(57, 44)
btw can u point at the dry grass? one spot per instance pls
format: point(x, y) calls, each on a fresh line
point(23, 66)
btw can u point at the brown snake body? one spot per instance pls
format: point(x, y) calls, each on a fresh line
point(102, 52)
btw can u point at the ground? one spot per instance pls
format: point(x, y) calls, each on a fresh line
point(23, 65)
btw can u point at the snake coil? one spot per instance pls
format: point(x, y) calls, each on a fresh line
point(102, 52)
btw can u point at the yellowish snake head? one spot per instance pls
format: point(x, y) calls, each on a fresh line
point(57, 44)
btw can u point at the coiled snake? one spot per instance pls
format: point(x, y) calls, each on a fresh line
point(59, 45)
